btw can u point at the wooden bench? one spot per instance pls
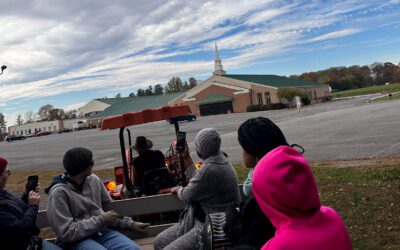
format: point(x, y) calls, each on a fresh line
point(140, 206)
point(137, 206)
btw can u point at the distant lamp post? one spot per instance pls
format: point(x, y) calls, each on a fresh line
point(2, 69)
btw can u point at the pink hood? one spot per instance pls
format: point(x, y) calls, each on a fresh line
point(286, 191)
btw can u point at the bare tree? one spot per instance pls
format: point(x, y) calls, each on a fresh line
point(70, 114)
point(29, 117)
point(20, 121)
point(3, 127)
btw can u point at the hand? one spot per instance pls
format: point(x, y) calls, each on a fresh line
point(110, 217)
point(37, 189)
point(174, 190)
point(139, 226)
point(33, 198)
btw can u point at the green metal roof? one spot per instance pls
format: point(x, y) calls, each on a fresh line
point(213, 98)
point(112, 101)
point(274, 80)
point(133, 104)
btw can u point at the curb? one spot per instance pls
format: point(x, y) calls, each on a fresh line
point(393, 93)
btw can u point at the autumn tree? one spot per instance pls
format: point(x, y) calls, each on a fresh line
point(149, 91)
point(158, 89)
point(44, 112)
point(56, 114)
point(192, 82)
point(185, 86)
point(140, 92)
point(174, 85)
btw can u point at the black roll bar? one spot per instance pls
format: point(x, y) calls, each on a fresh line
point(128, 182)
point(181, 161)
point(130, 141)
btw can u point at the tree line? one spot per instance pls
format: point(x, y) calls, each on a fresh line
point(175, 84)
point(352, 77)
point(50, 113)
point(45, 113)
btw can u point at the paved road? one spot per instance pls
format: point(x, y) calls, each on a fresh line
point(334, 130)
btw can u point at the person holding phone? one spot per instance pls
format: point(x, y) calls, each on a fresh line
point(211, 188)
point(18, 215)
point(78, 208)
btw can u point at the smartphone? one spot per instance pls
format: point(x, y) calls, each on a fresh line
point(180, 141)
point(33, 181)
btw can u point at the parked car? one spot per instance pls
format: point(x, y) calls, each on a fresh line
point(30, 135)
point(189, 117)
point(11, 138)
point(64, 130)
point(43, 133)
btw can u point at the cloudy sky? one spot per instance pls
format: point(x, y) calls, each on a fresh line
point(66, 53)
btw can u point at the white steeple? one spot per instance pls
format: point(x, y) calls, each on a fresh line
point(218, 69)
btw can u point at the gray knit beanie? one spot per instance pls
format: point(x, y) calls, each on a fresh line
point(77, 160)
point(208, 142)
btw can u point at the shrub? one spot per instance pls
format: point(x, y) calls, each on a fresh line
point(305, 99)
point(289, 94)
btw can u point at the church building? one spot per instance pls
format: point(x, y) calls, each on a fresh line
point(228, 93)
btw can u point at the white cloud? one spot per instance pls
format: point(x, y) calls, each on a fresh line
point(335, 34)
point(122, 45)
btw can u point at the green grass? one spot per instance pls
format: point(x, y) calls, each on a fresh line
point(365, 192)
point(386, 98)
point(368, 202)
point(368, 90)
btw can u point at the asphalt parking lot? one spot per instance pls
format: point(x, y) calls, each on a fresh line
point(334, 130)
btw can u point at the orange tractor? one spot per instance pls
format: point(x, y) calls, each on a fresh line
point(158, 180)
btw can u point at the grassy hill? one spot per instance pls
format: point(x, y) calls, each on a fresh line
point(368, 90)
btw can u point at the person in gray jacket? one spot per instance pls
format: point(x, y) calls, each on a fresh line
point(77, 207)
point(211, 188)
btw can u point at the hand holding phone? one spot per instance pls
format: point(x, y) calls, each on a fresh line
point(32, 183)
point(180, 141)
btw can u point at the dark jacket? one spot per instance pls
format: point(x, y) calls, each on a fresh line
point(250, 226)
point(17, 221)
point(148, 160)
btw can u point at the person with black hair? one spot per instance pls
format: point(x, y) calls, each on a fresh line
point(78, 208)
point(258, 136)
point(250, 227)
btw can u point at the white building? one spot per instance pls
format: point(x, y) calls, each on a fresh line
point(31, 128)
point(98, 105)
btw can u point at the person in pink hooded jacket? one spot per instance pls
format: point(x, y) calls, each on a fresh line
point(286, 192)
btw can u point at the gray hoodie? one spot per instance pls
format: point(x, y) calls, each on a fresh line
point(76, 215)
